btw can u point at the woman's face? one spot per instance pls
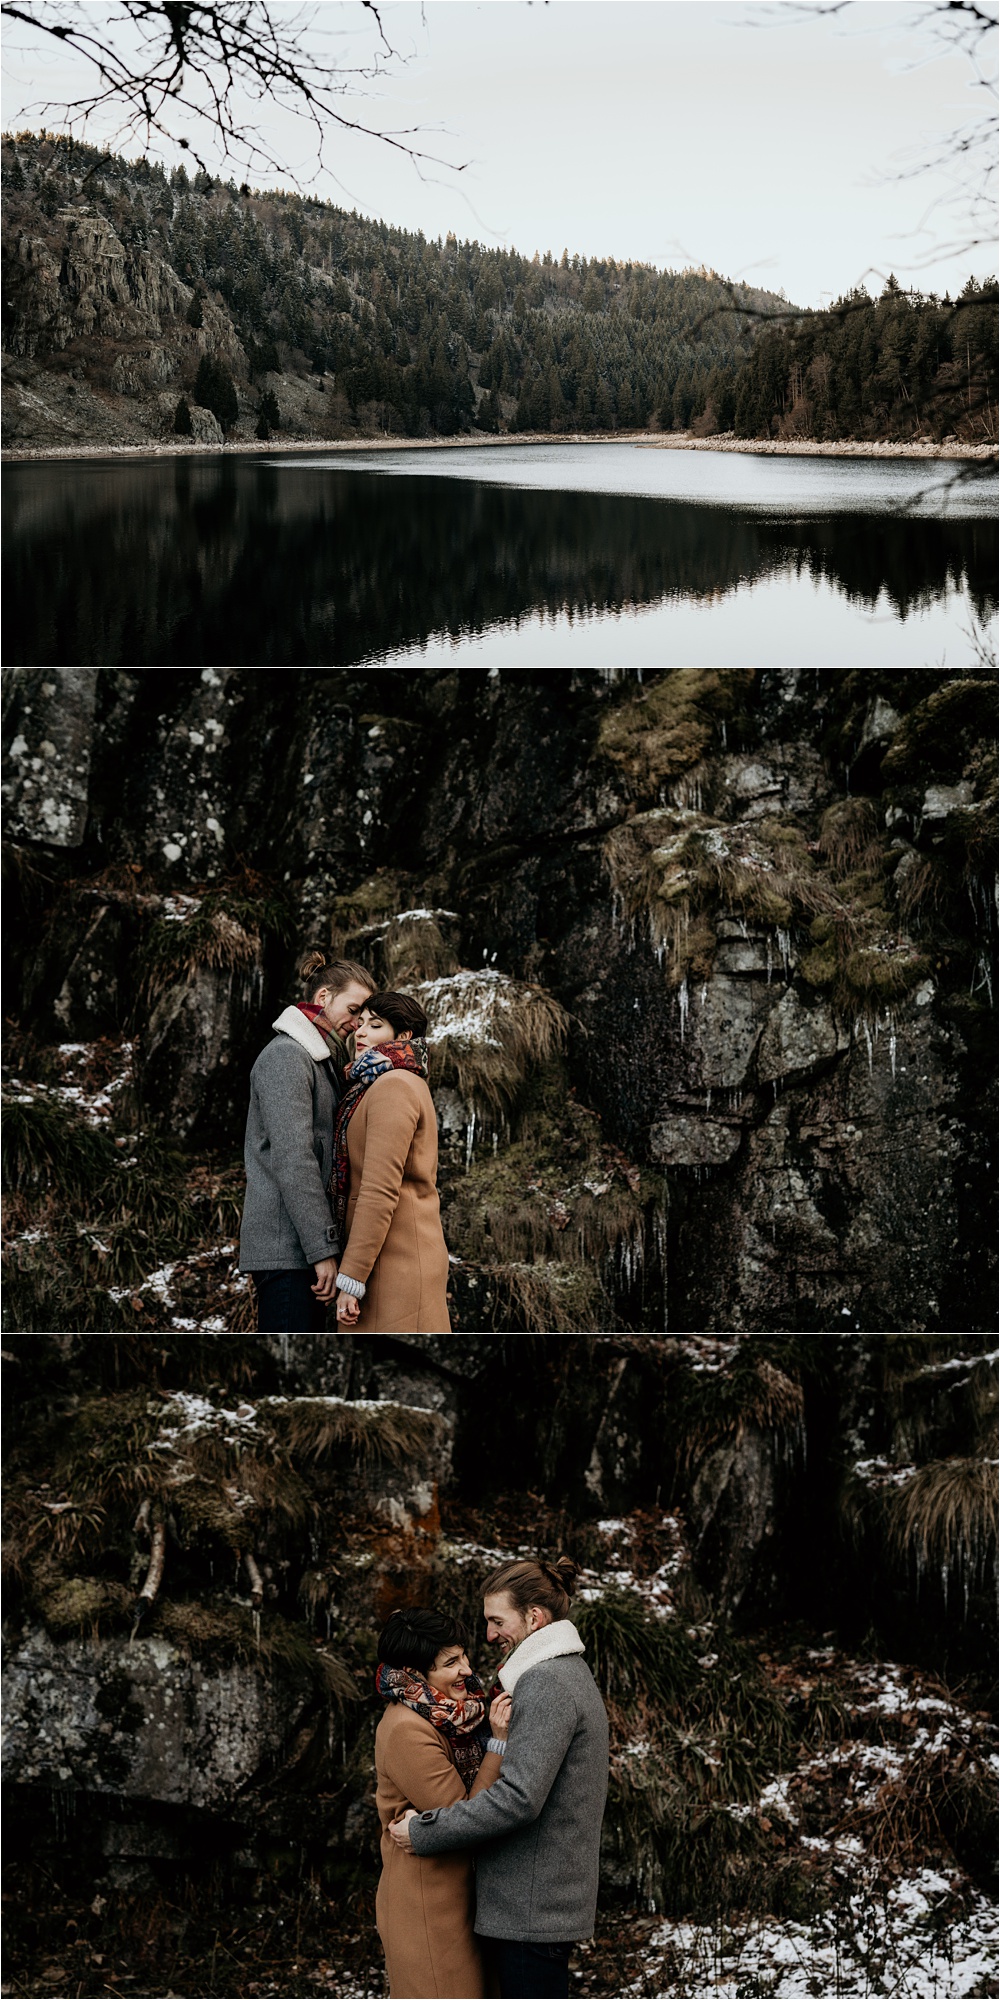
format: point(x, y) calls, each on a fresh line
point(372, 1031)
point(450, 1671)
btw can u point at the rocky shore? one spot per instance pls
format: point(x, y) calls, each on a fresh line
point(645, 440)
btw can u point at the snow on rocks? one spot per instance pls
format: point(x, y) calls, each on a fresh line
point(95, 1076)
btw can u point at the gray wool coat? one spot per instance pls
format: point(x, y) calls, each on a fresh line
point(294, 1093)
point(537, 1830)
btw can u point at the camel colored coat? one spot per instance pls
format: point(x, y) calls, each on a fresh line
point(395, 1243)
point(425, 1909)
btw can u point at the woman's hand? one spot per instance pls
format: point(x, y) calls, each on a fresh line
point(348, 1309)
point(399, 1829)
point(500, 1717)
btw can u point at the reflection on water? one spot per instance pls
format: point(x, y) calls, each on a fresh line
point(240, 561)
point(745, 480)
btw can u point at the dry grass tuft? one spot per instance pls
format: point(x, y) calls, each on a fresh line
point(394, 1433)
point(945, 1517)
point(486, 1031)
point(414, 947)
point(850, 836)
point(671, 725)
point(707, 1409)
point(552, 1297)
point(220, 930)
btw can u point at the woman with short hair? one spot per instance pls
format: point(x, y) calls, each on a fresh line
point(434, 1745)
point(393, 1275)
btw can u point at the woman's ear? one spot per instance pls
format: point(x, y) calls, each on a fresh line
point(406, 1036)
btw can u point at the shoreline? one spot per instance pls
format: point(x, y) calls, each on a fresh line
point(642, 440)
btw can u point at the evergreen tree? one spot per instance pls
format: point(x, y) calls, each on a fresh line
point(194, 314)
point(215, 390)
point(182, 418)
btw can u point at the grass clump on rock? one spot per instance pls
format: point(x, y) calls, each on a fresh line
point(219, 1479)
point(486, 1031)
point(557, 1219)
point(676, 871)
point(671, 725)
point(944, 1519)
point(712, 1406)
point(389, 1433)
point(221, 930)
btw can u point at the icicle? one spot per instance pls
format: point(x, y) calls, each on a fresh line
point(470, 1140)
point(862, 1028)
point(683, 1004)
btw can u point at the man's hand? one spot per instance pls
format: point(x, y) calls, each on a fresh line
point(400, 1830)
point(326, 1278)
point(500, 1717)
point(348, 1309)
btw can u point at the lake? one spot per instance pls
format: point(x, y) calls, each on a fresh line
point(523, 555)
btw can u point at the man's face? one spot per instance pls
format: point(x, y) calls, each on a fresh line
point(505, 1625)
point(343, 1010)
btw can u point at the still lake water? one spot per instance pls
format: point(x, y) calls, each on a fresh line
point(520, 555)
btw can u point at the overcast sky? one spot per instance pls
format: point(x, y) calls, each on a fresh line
point(746, 138)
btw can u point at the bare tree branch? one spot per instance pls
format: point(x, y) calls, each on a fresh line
point(168, 65)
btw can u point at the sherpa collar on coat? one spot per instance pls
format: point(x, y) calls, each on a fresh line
point(291, 1021)
point(550, 1642)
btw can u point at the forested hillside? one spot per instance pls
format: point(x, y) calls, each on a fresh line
point(895, 367)
point(403, 334)
point(138, 305)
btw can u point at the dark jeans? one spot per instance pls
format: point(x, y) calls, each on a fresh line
point(286, 1302)
point(529, 1971)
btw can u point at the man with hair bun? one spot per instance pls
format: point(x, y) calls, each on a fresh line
point(537, 1830)
point(288, 1237)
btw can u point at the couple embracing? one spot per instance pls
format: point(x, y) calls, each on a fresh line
point(341, 1163)
point(490, 1803)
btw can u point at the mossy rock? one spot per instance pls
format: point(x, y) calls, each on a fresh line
point(942, 731)
point(374, 900)
point(672, 726)
point(878, 976)
point(81, 1606)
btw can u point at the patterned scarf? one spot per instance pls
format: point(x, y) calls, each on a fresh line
point(361, 1074)
point(461, 1718)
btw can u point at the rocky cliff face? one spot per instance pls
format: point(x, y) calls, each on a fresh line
point(708, 960)
point(97, 334)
